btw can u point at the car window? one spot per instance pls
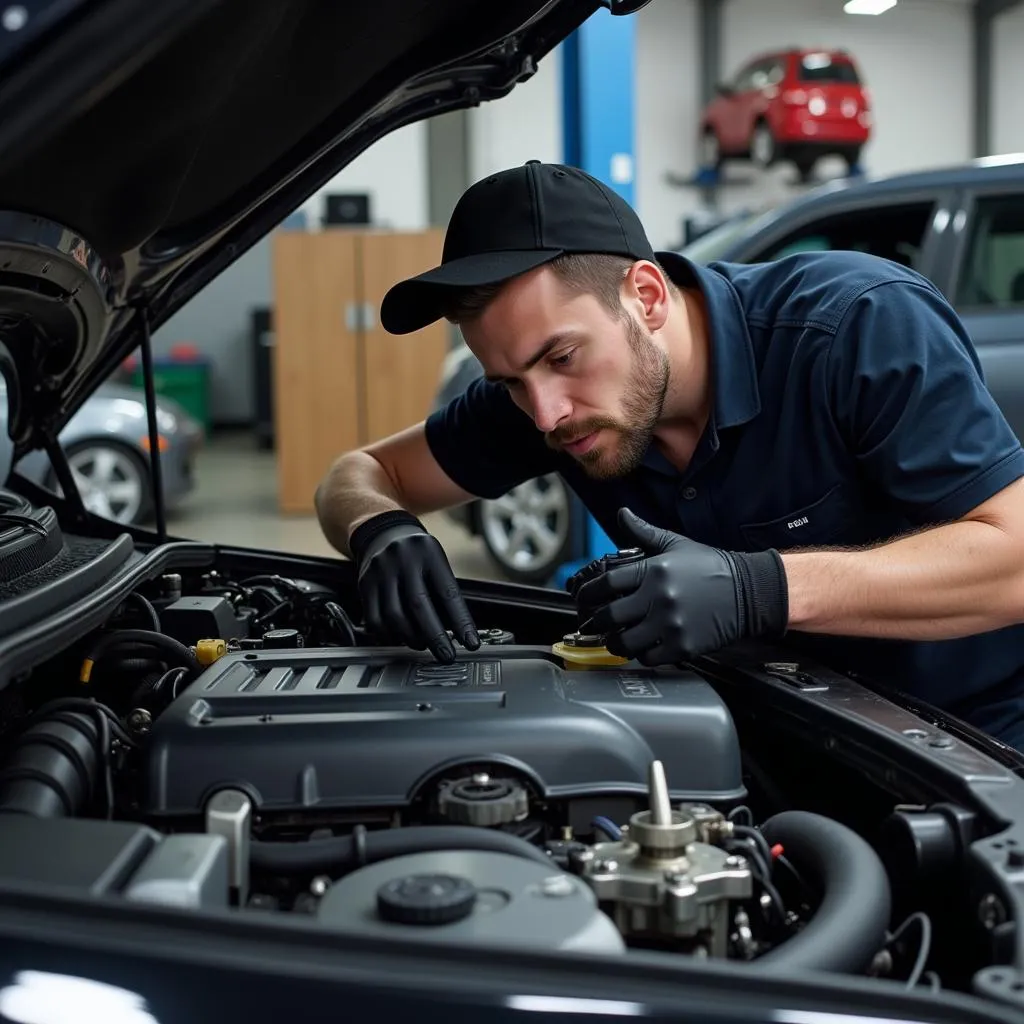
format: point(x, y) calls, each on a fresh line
point(761, 77)
point(822, 67)
point(744, 80)
point(992, 273)
point(894, 231)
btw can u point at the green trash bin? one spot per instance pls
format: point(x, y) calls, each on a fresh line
point(185, 382)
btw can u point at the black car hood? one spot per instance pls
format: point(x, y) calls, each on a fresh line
point(145, 146)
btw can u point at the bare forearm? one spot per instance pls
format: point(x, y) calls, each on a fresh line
point(355, 488)
point(947, 582)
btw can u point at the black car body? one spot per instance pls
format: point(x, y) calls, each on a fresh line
point(220, 798)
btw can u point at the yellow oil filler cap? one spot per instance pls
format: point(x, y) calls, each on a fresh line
point(580, 651)
point(208, 651)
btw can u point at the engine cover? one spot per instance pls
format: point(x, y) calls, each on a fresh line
point(349, 729)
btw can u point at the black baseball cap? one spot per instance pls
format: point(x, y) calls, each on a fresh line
point(511, 222)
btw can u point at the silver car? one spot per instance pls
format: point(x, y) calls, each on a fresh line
point(108, 447)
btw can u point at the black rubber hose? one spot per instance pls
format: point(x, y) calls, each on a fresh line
point(146, 607)
point(174, 652)
point(339, 854)
point(341, 622)
point(849, 925)
point(53, 767)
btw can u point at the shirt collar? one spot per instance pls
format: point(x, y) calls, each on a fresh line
point(737, 398)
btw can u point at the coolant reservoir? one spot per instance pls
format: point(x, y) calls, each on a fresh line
point(583, 651)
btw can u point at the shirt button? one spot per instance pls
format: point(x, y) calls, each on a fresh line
point(689, 493)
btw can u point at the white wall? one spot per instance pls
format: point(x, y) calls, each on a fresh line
point(916, 60)
point(1007, 82)
point(394, 172)
point(667, 107)
point(524, 125)
point(527, 124)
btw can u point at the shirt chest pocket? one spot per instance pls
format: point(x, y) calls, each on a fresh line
point(830, 519)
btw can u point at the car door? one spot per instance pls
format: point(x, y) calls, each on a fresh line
point(763, 88)
point(732, 133)
point(987, 288)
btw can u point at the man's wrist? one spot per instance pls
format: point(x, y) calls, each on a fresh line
point(370, 528)
point(762, 592)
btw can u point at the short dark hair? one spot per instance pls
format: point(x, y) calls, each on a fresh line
point(597, 274)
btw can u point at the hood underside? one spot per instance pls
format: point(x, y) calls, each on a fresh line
point(144, 147)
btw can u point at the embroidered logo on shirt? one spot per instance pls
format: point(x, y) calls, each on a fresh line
point(802, 521)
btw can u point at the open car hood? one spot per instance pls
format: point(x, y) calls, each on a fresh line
point(145, 146)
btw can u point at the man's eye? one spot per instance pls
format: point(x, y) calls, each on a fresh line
point(563, 360)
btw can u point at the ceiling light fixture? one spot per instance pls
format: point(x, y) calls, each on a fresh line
point(868, 6)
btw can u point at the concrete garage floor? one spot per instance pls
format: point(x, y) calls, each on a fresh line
point(235, 502)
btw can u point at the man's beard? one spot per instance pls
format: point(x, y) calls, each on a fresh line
point(642, 403)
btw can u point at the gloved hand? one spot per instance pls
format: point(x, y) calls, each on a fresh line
point(409, 592)
point(684, 599)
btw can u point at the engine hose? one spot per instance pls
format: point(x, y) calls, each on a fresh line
point(146, 607)
point(849, 926)
point(53, 768)
point(339, 854)
point(174, 652)
point(341, 622)
point(149, 684)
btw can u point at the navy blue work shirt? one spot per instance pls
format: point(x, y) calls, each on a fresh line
point(849, 407)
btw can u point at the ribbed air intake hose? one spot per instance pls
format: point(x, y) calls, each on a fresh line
point(849, 926)
point(53, 767)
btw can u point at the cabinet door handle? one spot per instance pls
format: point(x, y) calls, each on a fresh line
point(360, 316)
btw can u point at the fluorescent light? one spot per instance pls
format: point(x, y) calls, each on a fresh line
point(868, 6)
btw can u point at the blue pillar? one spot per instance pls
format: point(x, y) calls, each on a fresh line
point(598, 137)
point(597, 97)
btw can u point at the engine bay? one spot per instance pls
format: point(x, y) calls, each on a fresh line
point(230, 741)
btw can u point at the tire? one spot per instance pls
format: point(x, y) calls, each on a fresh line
point(764, 150)
point(528, 531)
point(113, 479)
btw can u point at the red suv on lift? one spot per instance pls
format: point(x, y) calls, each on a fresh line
point(795, 105)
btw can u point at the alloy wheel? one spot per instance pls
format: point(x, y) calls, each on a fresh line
point(526, 530)
point(109, 481)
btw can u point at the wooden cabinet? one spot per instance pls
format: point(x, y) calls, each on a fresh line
point(340, 380)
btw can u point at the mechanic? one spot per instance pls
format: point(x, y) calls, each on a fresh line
point(804, 449)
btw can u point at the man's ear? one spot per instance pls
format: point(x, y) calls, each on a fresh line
point(647, 294)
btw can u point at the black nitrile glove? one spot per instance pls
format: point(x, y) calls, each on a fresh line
point(684, 599)
point(409, 592)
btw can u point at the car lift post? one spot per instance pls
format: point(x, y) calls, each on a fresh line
point(598, 137)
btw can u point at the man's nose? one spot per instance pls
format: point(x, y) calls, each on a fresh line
point(549, 407)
